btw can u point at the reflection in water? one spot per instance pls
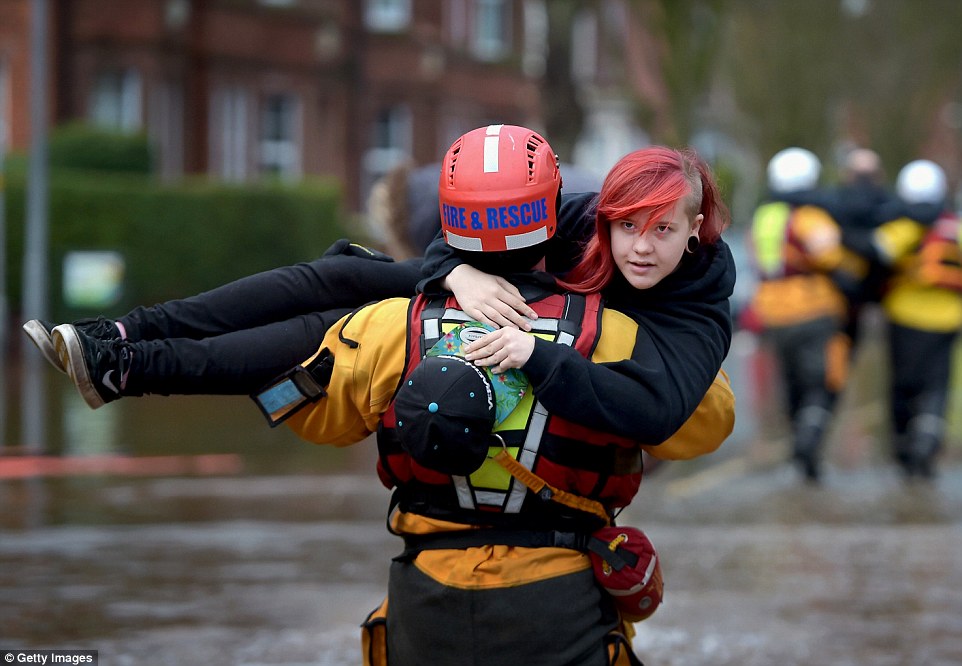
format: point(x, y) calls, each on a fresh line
point(176, 425)
point(87, 431)
point(24, 504)
point(89, 450)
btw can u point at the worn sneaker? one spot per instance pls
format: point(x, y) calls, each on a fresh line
point(98, 327)
point(98, 367)
point(40, 333)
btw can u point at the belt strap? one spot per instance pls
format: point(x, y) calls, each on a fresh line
point(459, 540)
point(616, 558)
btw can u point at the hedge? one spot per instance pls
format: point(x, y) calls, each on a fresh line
point(78, 145)
point(176, 240)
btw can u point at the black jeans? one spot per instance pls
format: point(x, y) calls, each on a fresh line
point(802, 351)
point(921, 366)
point(233, 339)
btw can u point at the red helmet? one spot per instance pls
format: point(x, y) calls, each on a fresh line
point(498, 190)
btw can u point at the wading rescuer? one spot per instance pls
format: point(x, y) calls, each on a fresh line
point(798, 305)
point(495, 495)
point(921, 243)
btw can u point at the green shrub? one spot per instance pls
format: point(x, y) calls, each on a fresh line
point(176, 240)
point(82, 146)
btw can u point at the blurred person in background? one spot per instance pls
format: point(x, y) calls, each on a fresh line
point(858, 205)
point(862, 192)
point(920, 243)
point(798, 308)
point(402, 210)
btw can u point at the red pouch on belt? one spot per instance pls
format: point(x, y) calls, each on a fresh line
point(626, 566)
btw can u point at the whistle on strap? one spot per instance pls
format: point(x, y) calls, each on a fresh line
point(299, 386)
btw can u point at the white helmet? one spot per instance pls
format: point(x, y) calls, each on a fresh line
point(921, 181)
point(793, 170)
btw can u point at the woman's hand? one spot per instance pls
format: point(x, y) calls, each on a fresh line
point(502, 349)
point(489, 299)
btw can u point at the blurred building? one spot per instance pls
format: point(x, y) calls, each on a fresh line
point(240, 89)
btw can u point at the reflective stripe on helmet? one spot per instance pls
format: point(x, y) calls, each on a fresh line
point(512, 242)
point(492, 139)
point(463, 242)
point(518, 241)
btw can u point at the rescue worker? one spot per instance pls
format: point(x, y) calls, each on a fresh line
point(857, 205)
point(797, 253)
point(923, 308)
point(857, 201)
point(492, 572)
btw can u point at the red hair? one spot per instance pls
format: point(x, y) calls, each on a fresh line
point(649, 180)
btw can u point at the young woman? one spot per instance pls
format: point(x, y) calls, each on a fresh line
point(235, 338)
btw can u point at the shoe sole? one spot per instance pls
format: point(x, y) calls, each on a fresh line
point(44, 342)
point(67, 343)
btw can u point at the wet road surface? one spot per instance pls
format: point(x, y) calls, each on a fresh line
point(265, 551)
point(760, 568)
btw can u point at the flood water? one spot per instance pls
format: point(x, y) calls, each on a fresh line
point(232, 543)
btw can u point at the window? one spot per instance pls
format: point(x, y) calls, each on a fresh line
point(584, 47)
point(228, 133)
point(492, 29)
point(176, 14)
point(456, 20)
point(535, 54)
point(387, 15)
point(279, 145)
point(4, 109)
point(390, 142)
point(116, 100)
point(165, 126)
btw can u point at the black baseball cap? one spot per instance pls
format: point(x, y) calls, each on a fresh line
point(447, 407)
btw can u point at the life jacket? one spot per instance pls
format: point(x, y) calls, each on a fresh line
point(938, 261)
point(794, 249)
point(799, 240)
point(769, 239)
point(570, 457)
point(777, 252)
point(925, 290)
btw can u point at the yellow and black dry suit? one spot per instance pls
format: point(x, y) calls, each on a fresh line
point(923, 305)
point(495, 602)
point(796, 252)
